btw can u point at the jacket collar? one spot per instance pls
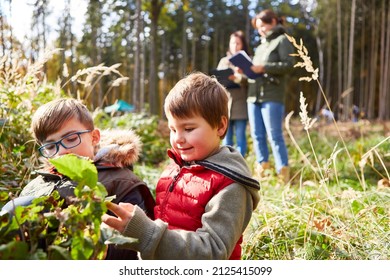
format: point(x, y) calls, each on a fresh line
point(118, 148)
point(228, 161)
point(275, 32)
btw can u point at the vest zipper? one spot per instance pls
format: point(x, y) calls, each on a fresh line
point(170, 189)
point(261, 90)
point(171, 186)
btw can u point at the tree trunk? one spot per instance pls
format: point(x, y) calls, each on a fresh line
point(373, 66)
point(321, 74)
point(183, 64)
point(156, 6)
point(162, 69)
point(329, 64)
point(387, 68)
point(349, 98)
point(363, 70)
point(216, 55)
point(245, 8)
point(193, 52)
point(339, 58)
point(206, 54)
point(384, 65)
point(142, 75)
point(2, 37)
point(137, 66)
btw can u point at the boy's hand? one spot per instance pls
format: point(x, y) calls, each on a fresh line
point(124, 211)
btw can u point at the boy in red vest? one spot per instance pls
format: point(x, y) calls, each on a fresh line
point(206, 196)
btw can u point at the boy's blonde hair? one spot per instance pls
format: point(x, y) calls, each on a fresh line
point(50, 117)
point(198, 95)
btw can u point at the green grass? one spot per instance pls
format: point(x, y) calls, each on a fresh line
point(310, 222)
point(334, 219)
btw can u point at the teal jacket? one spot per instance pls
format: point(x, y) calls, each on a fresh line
point(274, 53)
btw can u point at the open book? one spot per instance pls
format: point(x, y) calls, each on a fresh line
point(244, 62)
point(223, 77)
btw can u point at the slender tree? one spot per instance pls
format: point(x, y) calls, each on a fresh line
point(2, 31)
point(155, 11)
point(137, 56)
point(340, 57)
point(184, 43)
point(349, 98)
point(383, 109)
point(373, 62)
point(65, 42)
point(39, 25)
point(90, 47)
point(362, 70)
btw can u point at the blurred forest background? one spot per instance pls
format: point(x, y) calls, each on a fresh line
point(152, 44)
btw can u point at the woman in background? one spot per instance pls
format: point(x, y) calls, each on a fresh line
point(238, 112)
point(266, 94)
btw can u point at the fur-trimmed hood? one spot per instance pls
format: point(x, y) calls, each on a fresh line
point(119, 148)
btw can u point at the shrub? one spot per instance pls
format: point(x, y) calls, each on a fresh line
point(46, 230)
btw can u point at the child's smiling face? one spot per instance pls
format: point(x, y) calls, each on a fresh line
point(193, 138)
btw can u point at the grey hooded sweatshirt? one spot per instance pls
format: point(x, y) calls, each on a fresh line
point(225, 218)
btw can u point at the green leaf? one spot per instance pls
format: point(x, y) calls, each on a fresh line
point(356, 206)
point(81, 249)
point(110, 198)
point(58, 253)
point(14, 250)
point(100, 190)
point(3, 194)
point(121, 240)
point(112, 236)
point(77, 169)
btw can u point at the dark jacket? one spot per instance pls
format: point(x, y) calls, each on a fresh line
point(274, 53)
point(238, 109)
point(117, 152)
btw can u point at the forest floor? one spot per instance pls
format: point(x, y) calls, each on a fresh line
point(289, 213)
point(348, 130)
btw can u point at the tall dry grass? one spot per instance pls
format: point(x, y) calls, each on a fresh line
point(23, 88)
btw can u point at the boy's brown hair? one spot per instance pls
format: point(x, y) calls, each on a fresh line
point(50, 117)
point(198, 95)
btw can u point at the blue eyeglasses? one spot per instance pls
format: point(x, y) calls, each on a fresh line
point(69, 141)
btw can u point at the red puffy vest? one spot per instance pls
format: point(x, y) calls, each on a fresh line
point(182, 195)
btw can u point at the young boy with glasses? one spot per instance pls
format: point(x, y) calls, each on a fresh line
point(206, 196)
point(65, 126)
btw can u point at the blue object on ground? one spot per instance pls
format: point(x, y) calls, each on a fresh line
point(119, 106)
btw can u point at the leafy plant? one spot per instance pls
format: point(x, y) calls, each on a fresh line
point(47, 230)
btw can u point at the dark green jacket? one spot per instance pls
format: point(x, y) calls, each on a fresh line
point(274, 53)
